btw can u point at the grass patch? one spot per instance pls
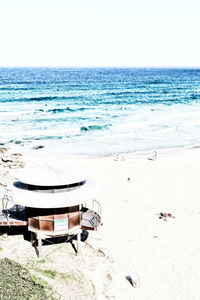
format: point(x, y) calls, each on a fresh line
point(39, 281)
point(48, 273)
point(34, 266)
point(1, 248)
point(16, 283)
point(41, 261)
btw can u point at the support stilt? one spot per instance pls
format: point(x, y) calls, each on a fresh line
point(39, 246)
point(78, 241)
point(32, 238)
point(5, 234)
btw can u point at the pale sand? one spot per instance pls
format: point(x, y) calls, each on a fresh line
point(164, 254)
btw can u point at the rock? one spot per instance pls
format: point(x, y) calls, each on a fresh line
point(38, 147)
point(84, 128)
point(16, 154)
point(12, 161)
point(6, 159)
point(2, 150)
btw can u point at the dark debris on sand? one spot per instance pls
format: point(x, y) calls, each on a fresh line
point(164, 216)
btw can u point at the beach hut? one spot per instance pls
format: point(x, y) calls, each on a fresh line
point(51, 202)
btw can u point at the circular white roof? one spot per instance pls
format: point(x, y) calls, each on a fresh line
point(50, 198)
point(48, 175)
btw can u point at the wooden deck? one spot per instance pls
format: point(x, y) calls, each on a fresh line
point(11, 222)
point(12, 218)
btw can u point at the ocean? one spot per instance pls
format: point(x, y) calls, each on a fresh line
point(99, 111)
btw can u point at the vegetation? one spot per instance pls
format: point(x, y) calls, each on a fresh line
point(41, 261)
point(48, 273)
point(33, 265)
point(17, 283)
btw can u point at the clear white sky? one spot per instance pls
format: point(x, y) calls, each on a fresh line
point(100, 33)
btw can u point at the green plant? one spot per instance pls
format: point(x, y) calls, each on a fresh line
point(48, 273)
point(16, 283)
point(41, 261)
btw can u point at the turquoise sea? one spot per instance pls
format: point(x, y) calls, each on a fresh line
point(99, 111)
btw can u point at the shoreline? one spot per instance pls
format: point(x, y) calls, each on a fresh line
point(47, 152)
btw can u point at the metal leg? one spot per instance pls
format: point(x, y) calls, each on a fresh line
point(39, 246)
point(17, 209)
point(32, 238)
point(78, 241)
point(5, 234)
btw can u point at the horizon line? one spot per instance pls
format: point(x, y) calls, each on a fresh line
point(103, 67)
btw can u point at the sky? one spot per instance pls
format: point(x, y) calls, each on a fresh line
point(100, 33)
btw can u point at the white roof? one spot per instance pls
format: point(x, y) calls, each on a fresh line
point(48, 175)
point(50, 198)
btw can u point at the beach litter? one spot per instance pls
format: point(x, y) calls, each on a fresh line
point(164, 216)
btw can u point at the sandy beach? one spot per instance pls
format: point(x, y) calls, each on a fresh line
point(150, 232)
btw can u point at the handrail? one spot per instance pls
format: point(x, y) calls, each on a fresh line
point(98, 210)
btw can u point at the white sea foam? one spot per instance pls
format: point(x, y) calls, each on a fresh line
point(7, 114)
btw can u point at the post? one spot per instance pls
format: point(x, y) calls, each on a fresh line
point(32, 237)
point(39, 244)
point(78, 241)
point(5, 234)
